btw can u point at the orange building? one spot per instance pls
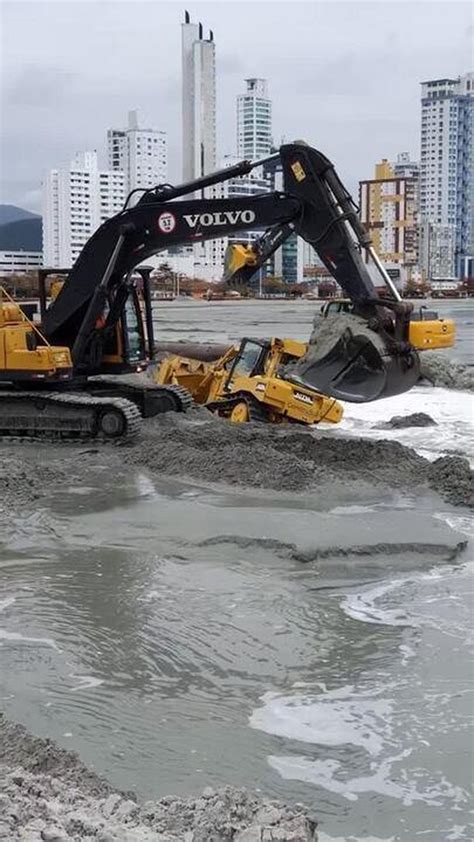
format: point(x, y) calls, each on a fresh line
point(389, 210)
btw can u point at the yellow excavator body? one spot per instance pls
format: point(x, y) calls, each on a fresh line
point(246, 384)
point(427, 330)
point(23, 352)
point(431, 334)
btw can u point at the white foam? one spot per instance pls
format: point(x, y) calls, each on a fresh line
point(5, 603)
point(336, 717)
point(350, 717)
point(21, 638)
point(452, 411)
point(352, 510)
point(86, 681)
point(364, 606)
point(323, 837)
point(145, 487)
point(460, 523)
point(329, 774)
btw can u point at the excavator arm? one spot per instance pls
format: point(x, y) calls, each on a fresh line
point(371, 358)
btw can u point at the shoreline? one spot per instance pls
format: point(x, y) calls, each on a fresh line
point(48, 795)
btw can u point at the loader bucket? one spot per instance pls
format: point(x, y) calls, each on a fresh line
point(356, 365)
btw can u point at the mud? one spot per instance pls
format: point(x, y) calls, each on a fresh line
point(327, 330)
point(452, 477)
point(291, 459)
point(19, 482)
point(439, 369)
point(400, 422)
point(48, 795)
point(200, 447)
point(289, 550)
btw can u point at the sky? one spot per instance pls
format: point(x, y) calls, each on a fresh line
point(343, 76)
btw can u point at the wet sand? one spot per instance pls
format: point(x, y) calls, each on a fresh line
point(197, 446)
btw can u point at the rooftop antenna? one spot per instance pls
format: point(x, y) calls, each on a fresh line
point(186, 16)
point(200, 31)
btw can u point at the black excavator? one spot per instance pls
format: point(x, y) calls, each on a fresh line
point(61, 377)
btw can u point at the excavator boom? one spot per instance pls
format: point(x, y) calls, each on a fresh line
point(370, 359)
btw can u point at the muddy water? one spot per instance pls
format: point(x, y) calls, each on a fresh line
point(138, 627)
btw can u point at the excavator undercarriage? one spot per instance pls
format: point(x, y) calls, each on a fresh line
point(61, 406)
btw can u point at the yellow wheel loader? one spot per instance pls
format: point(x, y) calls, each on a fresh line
point(247, 384)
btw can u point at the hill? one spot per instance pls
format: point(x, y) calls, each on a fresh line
point(22, 235)
point(11, 213)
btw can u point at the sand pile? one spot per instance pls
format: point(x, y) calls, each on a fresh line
point(291, 459)
point(200, 447)
point(48, 795)
point(439, 369)
point(20, 480)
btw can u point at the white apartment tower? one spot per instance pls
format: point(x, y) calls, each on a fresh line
point(77, 199)
point(447, 167)
point(254, 183)
point(141, 154)
point(254, 121)
point(198, 100)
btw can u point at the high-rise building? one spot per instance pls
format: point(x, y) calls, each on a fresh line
point(198, 100)
point(437, 251)
point(404, 167)
point(198, 56)
point(254, 121)
point(248, 129)
point(389, 210)
point(77, 198)
point(447, 165)
point(141, 154)
point(14, 260)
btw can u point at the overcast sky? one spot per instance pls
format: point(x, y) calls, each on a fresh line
point(342, 75)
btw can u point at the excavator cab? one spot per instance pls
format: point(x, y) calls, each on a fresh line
point(120, 340)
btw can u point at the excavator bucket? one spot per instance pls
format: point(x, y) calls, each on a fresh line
point(349, 361)
point(240, 262)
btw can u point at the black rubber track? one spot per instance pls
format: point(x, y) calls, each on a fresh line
point(62, 415)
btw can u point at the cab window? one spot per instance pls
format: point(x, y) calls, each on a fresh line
point(248, 358)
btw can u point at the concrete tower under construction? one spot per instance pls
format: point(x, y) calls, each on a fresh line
point(198, 100)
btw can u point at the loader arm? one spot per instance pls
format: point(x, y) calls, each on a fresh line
point(370, 361)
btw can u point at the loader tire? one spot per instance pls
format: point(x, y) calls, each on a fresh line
point(248, 409)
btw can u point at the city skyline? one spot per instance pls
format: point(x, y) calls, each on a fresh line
point(322, 94)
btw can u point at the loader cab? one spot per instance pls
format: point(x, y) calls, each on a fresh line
point(249, 361)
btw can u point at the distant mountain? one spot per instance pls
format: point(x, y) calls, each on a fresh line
point(10, 213)
point(22, 235)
